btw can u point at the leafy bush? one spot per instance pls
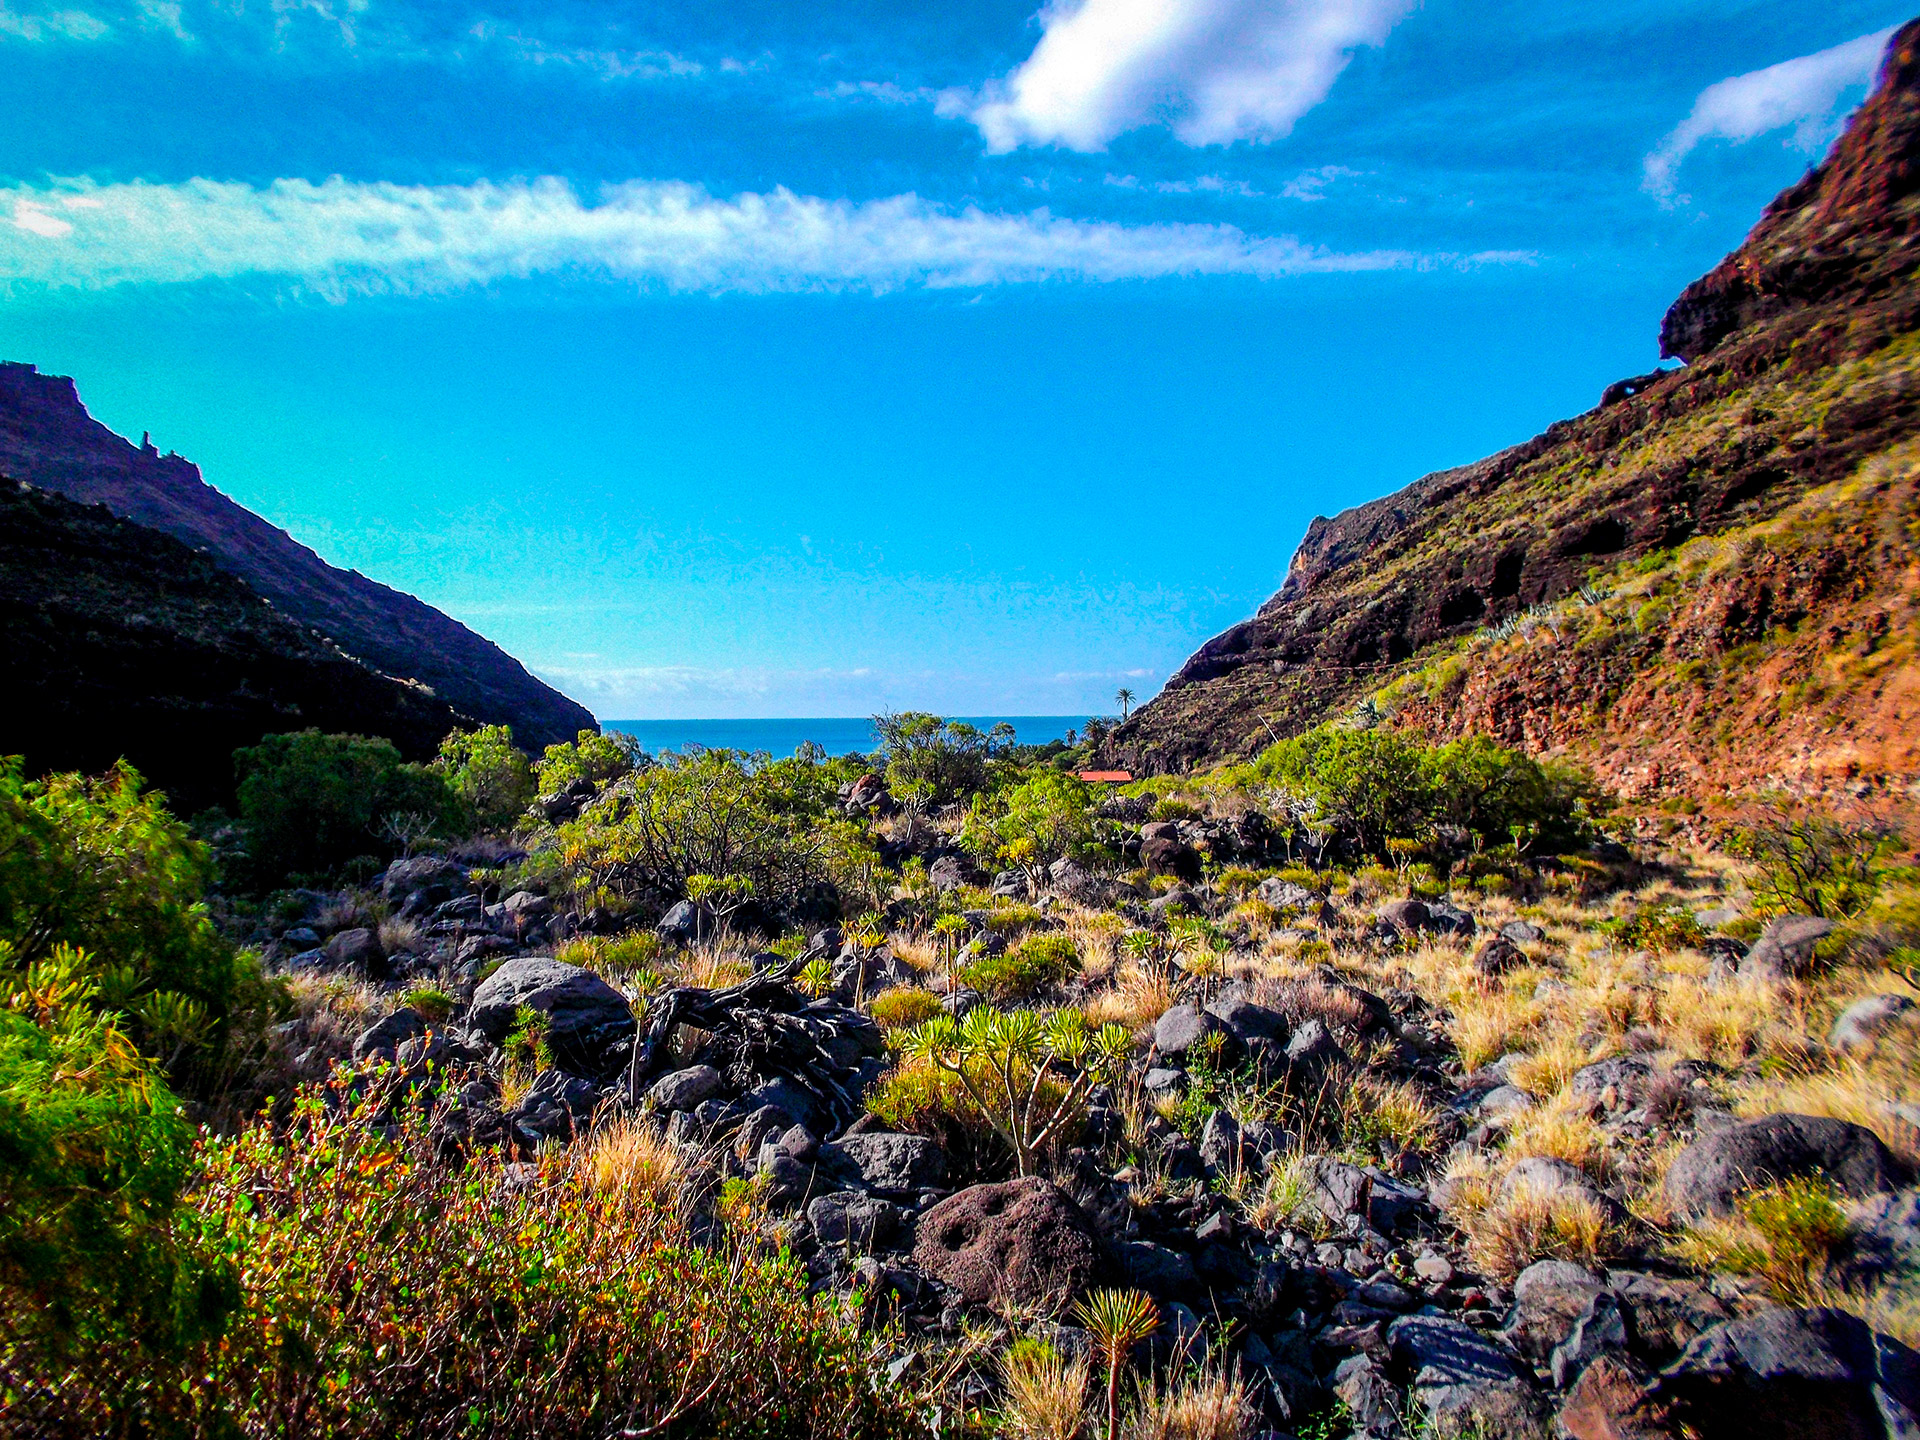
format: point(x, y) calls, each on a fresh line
point(716, 813)
point(311, 802)
point(1785, 1234)
point(1655, 927)
point(1045, 817)
point(594, 755)
point(1811, 863)
point(1370, 786)
point(100, 866)
point(387, 1294)
point(493, 780)
point(949, 757)
point(1027, 967)
point(97, 1280)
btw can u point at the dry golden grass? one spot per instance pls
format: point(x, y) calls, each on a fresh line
point(1560, 1129)
point(1137, 998)
point(399, 937)
point(918, 952)
point(1211, 1404)
point(1096, 935)
point(1548, 1070)
point(1860, 1091)
point(627, 1163)
point(1374, 1110)
point(1726, 1023)
point(1484, 1028)
point(1285, 1201)
point(1044, 1395)
point(1534, 1222)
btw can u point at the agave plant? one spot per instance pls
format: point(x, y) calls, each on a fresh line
point(1005, 1058)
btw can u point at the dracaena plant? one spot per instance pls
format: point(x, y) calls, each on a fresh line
point(1029, 1072)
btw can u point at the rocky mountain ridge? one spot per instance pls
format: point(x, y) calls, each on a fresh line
point(1801, 370)
point(48, 439)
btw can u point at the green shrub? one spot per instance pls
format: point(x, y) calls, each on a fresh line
point(720, 814)
point(949, 757)
point(1027, 967)
point(493, 780)
point(1655, 927)
point(902, 1006)
point(1372, 785)
point(594, 755)
point(388, 1294)
point(1045, 817)
point(1171, 809)
point(100, 866)
point(1813, 863)
point(98, 1280)
point(311, 802)
point(430, 1003)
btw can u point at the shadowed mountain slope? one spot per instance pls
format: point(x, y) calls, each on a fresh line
point(48, 439)
point(120, 641)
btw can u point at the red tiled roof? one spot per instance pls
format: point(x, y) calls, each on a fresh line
point(1106, 777)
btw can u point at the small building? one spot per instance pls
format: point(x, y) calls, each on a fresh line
point(1105, 777)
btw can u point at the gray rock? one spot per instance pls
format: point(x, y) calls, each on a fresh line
point(1224, 1147)
point(949, 872)
point(1795, 1373)
point(1785, 948)
point(1463, 1380)
point(1361, 1384)
point(381, 1041)
point(587, 1018)
point(1665, 1313)
point(420, 872)
point(1159, 1271)
point(1496, 956)
point(1405, 918)
point(684, 1089)
point(1247, 1020)
point(1181, 1028)
point(1600, 1330)
point(851, 1220)
point(1285, 895)
point(1549, 1298)
point(1884, 1242)
point(1312, 1051)
point(1522, 932)
point(1544, 1173)
point(1615, 1084)
point(301, 937)
point(786, 1097)
point(687, 922)
point(901, 1164)
point(557, 1106)
point(358, 951)
point(1433, 1267)
point(1162, 1083)
point(1449, 919)
point(1503, 1102)
point(1864, 1021)
point(1707, 1176)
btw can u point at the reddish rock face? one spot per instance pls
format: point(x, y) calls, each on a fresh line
point(1839, 234)
point(1796, 381)
point(1023, 1240)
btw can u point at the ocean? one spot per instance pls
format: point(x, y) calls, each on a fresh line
point(839, 734)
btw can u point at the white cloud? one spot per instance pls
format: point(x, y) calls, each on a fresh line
point(1216, 70)
point(56, 25)
point(342, 237)
point(1801, 93)
point(608, 64)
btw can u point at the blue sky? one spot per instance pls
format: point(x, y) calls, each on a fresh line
point(800, 359)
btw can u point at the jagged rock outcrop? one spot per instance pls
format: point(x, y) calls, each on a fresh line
point(48, 439)
point(117, 640)
point(1797, 378)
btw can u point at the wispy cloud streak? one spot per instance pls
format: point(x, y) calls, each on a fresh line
point(1802, 93)
point(343, 237)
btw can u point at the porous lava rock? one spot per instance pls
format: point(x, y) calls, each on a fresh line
point(1020, 1240)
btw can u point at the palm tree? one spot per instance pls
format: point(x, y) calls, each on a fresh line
point(1123, 697)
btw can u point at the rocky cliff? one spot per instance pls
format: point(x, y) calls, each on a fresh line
point(48, 439)
point(117, 640)
point(1802, 376)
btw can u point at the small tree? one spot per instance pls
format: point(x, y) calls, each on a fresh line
point(1123, 697)
point(1117, 1320)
